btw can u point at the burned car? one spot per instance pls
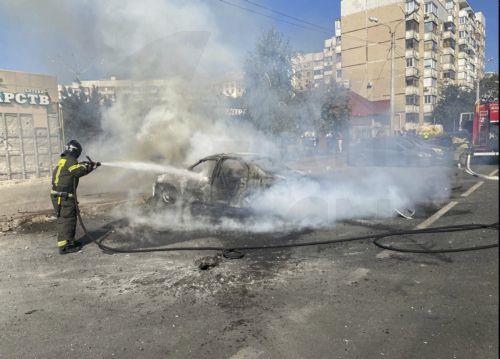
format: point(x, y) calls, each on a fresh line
point(227, 180)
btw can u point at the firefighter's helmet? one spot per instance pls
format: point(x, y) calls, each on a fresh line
point(74, 148)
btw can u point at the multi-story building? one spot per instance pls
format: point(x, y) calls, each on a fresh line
point(437, 42)
point(313, 68)
point(110, 88)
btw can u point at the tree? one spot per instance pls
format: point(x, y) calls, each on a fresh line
point(453, 101)
point(268, 84)
point(489, 86)
point(335, 109)
point(82, 113)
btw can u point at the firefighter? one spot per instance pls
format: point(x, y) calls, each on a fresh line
point(64, 182)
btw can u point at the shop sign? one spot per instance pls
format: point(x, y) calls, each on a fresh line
point(27, 98)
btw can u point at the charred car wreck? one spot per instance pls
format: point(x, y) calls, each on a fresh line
point(226, 182)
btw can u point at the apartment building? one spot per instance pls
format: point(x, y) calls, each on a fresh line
point(436, 42)
point(310, 69)
point(111, 87)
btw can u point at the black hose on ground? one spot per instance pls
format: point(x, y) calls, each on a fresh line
point(236, 252)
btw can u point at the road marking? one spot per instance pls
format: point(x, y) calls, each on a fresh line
point(386, 253)
point(436, 215)
point(493, 173)
point(472, 189)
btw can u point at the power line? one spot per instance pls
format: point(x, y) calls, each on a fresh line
point(286, 15)
point(275, 18)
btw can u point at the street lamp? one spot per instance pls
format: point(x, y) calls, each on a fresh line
point(392, 32)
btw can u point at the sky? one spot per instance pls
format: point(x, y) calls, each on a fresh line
point(33, 41)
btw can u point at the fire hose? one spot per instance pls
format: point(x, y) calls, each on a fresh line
point(471, 172)
point(237, 251)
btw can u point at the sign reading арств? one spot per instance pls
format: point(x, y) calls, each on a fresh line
point(30, 97)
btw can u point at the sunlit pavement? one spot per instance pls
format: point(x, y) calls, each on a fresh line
point(345, 301)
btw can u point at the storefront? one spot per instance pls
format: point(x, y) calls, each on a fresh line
point(30, 131)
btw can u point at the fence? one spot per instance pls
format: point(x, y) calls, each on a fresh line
point(27, 151)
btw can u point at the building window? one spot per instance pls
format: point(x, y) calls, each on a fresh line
point(410, 6)
point(449, 26)
point(429, 99)
point(430, 45)
point(411, 62)
point(338, 57)
point(462, 20)
point(448, 59)
point(411, 117)
point(430, 26)
point(338, 40)
point(430, 8)
point(450, 74)
point(412, 100)
point(449, 43)
point(449, 4)
point(338, 74)
point(430, 63)
point(430, 82)
point(462, 48)
point(318, 72)
point(412, 81)
point(412, 25)
point(411, 44)
point(462, 34)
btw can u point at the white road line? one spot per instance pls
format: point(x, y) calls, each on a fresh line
point(436, 215)
point(472, 189)
point(493, 173)
point(439, 214)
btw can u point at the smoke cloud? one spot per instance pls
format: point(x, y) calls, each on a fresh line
point(185, 46)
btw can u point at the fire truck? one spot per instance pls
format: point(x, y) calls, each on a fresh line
point(485, 127)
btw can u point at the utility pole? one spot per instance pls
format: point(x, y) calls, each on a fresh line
point(392, 32)
point(393, 95)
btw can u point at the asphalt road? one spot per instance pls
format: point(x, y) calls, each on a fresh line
point(349, 300)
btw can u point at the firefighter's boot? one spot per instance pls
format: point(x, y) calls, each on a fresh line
point(69, 247)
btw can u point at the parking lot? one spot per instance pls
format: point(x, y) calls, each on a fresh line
point(349, 300)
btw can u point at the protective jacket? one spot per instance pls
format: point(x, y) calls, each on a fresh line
point(64, 182)
point(68, 170)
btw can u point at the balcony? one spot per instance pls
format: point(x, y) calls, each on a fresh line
point(430, 36)
point(430, 73)
point(428, 107)
point(431, 17)
point(411, 90)
point(412, 34)
point(449, 66)
point(411, 53)
point(431, 90)
point(338, 49)
point(338, 65)
point(430, 55)
point(462, 55)
point(411, 71)
point(415, 16)
point(448, 51)
point(462, 41)
point(448, 35)
point(411, 109)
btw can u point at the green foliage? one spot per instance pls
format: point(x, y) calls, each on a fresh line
point(268, 84)
point(489, 86)
point(335, 109)
point(82, 113)
point(451, 103)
